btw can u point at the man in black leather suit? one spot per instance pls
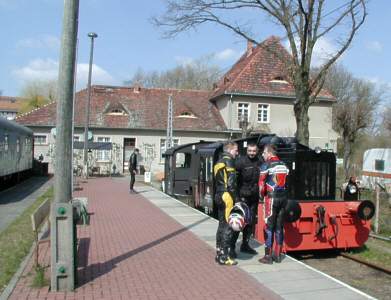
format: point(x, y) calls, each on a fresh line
point(247, 168)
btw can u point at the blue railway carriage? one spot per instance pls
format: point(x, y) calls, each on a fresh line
point(16, 152)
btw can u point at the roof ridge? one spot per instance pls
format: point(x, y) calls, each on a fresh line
point(35, 109)
point(255, 52)
point(146, 88)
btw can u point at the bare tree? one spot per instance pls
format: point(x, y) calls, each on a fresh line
point(304, 24)
point(199, 74)
point(38, 93)
point(355, 110)
point(387, 120)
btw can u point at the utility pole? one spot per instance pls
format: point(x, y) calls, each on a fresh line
point(92, 35)
point(62, 235)
point(169, 141)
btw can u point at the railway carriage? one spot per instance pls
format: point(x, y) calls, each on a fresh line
point(315, 218)
point(16, 152)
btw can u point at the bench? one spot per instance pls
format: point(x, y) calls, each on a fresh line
point(40, 215)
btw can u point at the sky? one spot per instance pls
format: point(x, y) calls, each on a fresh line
point(127, 41)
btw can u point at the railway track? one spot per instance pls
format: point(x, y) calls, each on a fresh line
point(367, 263)
point(372, 279)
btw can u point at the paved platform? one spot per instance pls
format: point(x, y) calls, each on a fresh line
point(15, 200)
point(150, 246)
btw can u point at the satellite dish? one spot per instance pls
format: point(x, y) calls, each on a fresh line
point(53, 132)
point(89, 135)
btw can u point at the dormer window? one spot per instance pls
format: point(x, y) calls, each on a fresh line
point(117, 112)
point(279, 79)
point(186, 114)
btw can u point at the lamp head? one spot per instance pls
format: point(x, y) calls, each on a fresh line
point(92, 35)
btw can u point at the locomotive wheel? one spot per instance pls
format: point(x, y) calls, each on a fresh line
point(292, 211)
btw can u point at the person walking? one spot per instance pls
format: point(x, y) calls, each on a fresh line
point(133, 169)
point(247, 168)
point(225, 196)
point(272, 187)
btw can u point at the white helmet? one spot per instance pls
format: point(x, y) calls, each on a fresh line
point(236, 221)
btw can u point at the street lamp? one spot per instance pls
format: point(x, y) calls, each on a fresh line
point(91, 35)
point(243, 124)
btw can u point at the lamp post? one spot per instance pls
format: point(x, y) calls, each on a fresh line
point(243, 124)
point(91, 35)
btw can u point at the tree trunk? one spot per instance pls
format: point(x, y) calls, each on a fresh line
point(302, 122)
point(347, 152)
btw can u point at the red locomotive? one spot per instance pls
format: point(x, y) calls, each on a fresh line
point(315, 218)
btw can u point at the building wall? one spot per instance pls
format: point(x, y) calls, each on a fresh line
point(282, 119)
point(147, 141)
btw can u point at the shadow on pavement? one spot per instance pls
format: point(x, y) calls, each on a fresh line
point(99, 269)
point(22, 190)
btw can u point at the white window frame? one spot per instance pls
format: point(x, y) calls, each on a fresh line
point(259, 109)
point(248, 110)
point(103, 155)
point(46, 142)
point(162, 149)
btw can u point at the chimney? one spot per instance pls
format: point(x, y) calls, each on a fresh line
point(250, 47)
point(137, 88)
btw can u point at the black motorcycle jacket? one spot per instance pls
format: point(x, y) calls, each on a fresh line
point(248, 175)
point(225, 175)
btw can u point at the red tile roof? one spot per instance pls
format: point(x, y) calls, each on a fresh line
point(10, 103)
point(144, 108)
point(257, 70)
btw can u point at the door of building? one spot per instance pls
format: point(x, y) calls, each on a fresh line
point(129, 145)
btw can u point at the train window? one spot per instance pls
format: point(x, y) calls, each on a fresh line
point(182, 160)
point(17, 145)
point(379, 164)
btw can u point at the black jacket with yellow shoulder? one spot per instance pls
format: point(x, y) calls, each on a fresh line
point(225, 175)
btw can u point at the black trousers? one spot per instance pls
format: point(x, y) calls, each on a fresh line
point(132, 179)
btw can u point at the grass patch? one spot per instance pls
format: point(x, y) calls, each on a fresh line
point(16, 241)
point(39, 279)
point(375, 251)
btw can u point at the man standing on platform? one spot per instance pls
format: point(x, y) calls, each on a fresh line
point(133, 168)
point(247, 168)
point(272, 188)
point(225, 196)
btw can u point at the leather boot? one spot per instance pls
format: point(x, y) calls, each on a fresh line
point(267, 259)
point(277, 256)
point(232, 252)
point(225, 260)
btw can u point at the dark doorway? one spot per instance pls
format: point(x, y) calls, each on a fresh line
point(129, 144)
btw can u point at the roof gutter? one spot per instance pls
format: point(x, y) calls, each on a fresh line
point(279, 96)
point(141, 129)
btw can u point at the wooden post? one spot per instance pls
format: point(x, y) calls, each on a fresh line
point(376, 225)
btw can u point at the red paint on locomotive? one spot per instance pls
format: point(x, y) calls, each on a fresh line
point(340, 228)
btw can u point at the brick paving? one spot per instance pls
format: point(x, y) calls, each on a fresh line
point(132, 250)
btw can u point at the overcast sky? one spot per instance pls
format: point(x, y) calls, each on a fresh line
point(31, 30)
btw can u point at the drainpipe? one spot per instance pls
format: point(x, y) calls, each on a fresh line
point(230, 116)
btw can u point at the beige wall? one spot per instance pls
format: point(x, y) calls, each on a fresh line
point(281, 118)
point(148, 141)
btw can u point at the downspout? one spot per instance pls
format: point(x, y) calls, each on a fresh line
point(230, 116)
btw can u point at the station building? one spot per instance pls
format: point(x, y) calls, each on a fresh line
point(255, 95)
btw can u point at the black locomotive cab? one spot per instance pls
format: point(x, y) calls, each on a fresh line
point(181, 169)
